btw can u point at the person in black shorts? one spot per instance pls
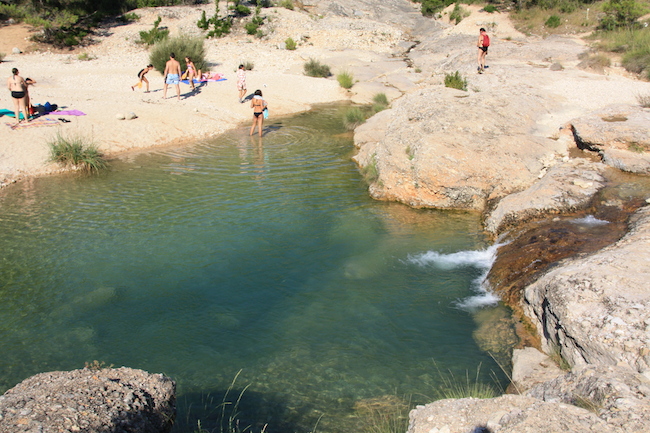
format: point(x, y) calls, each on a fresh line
point(482, 44)
point(18, 88)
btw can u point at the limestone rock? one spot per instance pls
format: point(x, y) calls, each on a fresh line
point(441, 147)
point(130, 116)
point(616, 394)
point(90, 400)
point(120, 116)
point(596, 309)
point(620, 133)
point(505, 414)
point(16, 50)
point(566, 187)
point(531, 367)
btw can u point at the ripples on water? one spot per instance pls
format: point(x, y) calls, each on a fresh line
point(266, 256)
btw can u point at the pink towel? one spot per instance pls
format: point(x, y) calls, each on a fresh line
point(67, 113)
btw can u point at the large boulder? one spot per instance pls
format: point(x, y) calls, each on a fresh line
point(121, 400)
point(620, 133)
point(566, 187)
point(445, 148)
point(596, 309)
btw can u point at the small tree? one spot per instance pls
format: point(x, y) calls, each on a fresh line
point(621, 13)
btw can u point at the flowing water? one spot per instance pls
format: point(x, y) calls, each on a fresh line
point(265, 256)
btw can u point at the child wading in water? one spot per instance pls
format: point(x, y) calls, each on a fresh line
point(258, 105)
point(142, 78)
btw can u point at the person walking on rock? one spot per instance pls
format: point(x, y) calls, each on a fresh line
point(482, 44)
point(172, 75)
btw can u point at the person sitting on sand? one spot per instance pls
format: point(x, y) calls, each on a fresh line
point(142, 78)
point(18, 88)
point(191, 72)
point(258, 104)
point(172, 75)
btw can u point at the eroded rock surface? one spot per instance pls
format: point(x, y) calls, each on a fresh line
point(596, 309)
point(121, 400)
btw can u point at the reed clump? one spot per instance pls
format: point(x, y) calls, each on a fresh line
point(78, 152)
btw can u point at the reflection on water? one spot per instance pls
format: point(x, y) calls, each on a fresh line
point(265, 256)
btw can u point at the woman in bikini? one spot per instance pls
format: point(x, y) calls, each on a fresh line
point(258, 105)
point(191, 71)
point(18, 87)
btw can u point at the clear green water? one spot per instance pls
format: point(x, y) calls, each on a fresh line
point(265, 256)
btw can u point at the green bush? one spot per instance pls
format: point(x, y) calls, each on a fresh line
point(634, 44)
point(345, 79)
point(251, 27)
point(242, 10)
point(290, 44)
point(490, 9)
point(621, 13)
point(431, 7)
point(314, 68)
point(128, 18)
point(379, 102)
point(203, 23)
point(553, 22)
point(287, 4)
point(156, 34)
point(456, 81)
point(458, 14)
point(353, 117)
point(76, 152)
point(182, 46)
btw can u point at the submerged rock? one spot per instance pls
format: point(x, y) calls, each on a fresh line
point(90, 400)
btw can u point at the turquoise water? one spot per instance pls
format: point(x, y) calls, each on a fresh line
point(239, 254)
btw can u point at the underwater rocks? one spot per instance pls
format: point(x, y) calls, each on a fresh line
point(90, 400)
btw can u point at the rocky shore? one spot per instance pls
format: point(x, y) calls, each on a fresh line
point(531, 139)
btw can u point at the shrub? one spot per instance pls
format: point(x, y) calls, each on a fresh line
point(251, 27)
point(431, 7)
point(182, 46)
point(128, 17)
point(621, 13)
point(458, 14)
point(380, 102)
point(456, 81)
point(345, 79)
point(154, 35)
point(76, 152)
point(203, 23)
point(290, 44)
point(353, 117)
point(242, 10)
point(553, 22)
point(314, 68)
point(490, 9)
point(643, 100)
point(287, 4)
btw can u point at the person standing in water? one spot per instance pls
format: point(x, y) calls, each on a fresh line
point(18, 88)
point(258, 104)
point(241, 82)
point(482, 44)
point(172, 75)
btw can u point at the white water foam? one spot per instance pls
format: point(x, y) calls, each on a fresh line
point(482, 259)
point(589, 220)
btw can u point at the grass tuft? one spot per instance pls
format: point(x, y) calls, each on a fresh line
point(456, 81)
point(77, 152)
point(452, 387)
point(314, 68)
point(353, 117)
point(379, 102)
point(643, 100)
point(386, 414)
point(345, 79)
point(290, 44)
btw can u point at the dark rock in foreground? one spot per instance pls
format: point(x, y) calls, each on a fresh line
point(120, 400)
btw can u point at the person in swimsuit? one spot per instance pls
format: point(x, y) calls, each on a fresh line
point(482, 44)
point(18, 88)
point(142, 78)
point(191, 72)
point(258, 105)
point(172, 75)
point(241, 82)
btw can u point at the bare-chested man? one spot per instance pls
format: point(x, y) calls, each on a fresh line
point(172, 75)
point(18, 87)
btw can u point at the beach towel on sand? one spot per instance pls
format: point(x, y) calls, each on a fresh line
point(34, 123)
point(10, 113)
point(68, 113)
